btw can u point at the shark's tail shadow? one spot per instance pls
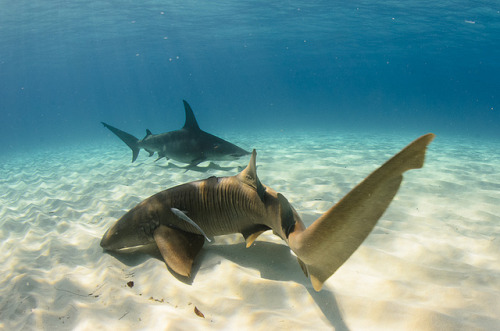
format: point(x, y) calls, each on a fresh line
point(325, 245)
point(127, 138)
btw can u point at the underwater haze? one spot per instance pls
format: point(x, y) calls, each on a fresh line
point(384, 66)
point(325, 91)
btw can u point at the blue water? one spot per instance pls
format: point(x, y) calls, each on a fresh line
point(393, 70)
point(247, 65)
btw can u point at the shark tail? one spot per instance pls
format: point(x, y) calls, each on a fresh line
point(127, 138)
point(325, 245)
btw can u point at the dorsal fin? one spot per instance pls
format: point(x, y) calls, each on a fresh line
point(249, 176)
point(190, 119)
point(148, 132)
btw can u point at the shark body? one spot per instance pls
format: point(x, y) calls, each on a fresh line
point(188, 145)
point(180, 219)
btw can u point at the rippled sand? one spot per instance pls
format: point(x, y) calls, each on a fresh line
point(432, 262)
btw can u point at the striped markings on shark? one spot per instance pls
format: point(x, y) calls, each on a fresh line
point(189, 145)
point(179, 219)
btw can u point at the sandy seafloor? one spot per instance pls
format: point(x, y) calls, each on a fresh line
point(431, 263)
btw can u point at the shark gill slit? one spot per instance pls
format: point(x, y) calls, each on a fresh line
point(222, 198)
point(231, 197)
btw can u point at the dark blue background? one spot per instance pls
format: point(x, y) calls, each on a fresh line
point(247, 65)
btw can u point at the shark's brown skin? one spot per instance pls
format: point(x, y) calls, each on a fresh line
point(242, 204)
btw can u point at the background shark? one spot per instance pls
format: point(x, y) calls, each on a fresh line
point(188, 145)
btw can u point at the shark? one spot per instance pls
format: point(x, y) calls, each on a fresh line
point(188, 145)
point(179, 220)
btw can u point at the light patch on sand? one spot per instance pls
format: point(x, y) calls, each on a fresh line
point(431, 262)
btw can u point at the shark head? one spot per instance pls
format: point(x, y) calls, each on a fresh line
point(225, 151)
point(131, 231)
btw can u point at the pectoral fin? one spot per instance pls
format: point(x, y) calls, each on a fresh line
point(332, 239)
point(252, 233)
point(195, 162)
point(178, 248)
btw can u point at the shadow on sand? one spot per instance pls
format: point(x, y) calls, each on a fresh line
point(274, 261)
point(210, 166)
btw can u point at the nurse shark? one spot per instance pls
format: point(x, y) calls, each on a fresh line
point(179, 220)
point(188, 145)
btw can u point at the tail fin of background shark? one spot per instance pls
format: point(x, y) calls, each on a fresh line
point(325, 245)
point(127, 138)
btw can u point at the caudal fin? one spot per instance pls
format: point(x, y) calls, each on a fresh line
point(127, 138)
point(324, 246)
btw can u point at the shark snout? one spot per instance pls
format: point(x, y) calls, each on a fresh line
point(240, 154)
point(105, 241)
point(128, 232)
point(112, 239)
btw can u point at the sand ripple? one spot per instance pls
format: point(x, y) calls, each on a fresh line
point(431, 263)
